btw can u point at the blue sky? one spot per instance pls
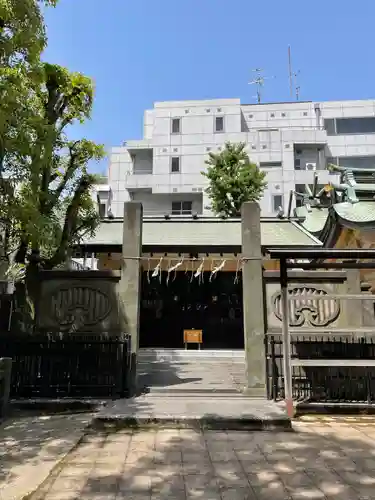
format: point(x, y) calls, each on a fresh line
point(141, 51)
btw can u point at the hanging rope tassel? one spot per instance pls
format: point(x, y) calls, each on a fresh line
point(199, 273)
point(217, 269)
point(238, 269)
point(157, 270)
point(192, 270)
point(148, 270)
point(174, 268)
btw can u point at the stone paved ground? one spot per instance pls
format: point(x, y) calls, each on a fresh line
point(30, 447)
point(173, 370)
point(332, 458)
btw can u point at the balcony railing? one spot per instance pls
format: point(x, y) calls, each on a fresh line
point(142, 172)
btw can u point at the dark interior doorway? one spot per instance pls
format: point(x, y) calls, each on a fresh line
point(168, 308)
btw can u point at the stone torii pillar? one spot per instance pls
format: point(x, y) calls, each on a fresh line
point(130, 283)
point(253, 301)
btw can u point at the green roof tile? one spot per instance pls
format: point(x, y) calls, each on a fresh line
point(362, 212)
point(204, 232)
point(314, 220)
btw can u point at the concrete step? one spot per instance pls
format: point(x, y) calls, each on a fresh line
point(194, 411)
point(175, 355)
point(189, 393)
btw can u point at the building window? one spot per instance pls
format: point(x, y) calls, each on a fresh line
point(219, 124)
point(175, 164)
point(353, 161)
point(277, 202)
point(102, 210)
point(176, 125)
point(348, 126)
point(270, 164)
point(182, 207)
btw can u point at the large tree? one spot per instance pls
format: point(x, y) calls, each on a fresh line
point(45, 185)
point(233, 180)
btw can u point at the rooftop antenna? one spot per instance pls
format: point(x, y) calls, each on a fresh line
point(298, 88)
point(259, 82)
point(290, 71)
point(293, 77)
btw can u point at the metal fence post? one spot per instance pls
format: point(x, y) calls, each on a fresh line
point(274, 374)
point(286, 338)
point(5, 380)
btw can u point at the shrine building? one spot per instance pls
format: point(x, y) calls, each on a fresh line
point(190, 271)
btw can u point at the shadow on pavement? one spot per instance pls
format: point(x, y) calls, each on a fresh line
point(324, 458)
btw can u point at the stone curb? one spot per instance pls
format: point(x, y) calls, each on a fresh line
point(38, 491)
point(334, 409)
point(206, 422)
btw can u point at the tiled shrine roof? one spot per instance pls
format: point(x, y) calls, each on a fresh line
point(188, 232)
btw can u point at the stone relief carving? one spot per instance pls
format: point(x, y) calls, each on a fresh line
point(307, 312)
point(75, 307)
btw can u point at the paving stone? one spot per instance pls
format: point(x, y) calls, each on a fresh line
point(136, 484)
point(203, 494)
point(201, 481)
point(32, 446)
point(271, 493)
point(72, 471)
point(178, 495)
point(197, 468)
point(238, 494)
point(262, 478)
point(296, 479)
point(163, 484)
point(195, 456)
point(128, 495)
point(305, 493)
point(173, 457)
point(63, 495)
point(101, 485)
point(303, 465)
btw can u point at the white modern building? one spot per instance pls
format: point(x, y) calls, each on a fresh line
point(288, 141)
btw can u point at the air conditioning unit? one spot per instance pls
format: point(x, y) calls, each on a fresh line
point(194, 189)
point(311, 166)
point(174, 190)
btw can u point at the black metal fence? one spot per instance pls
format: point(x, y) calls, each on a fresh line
point(5, 375)
point(323, 384)
point(79, 366)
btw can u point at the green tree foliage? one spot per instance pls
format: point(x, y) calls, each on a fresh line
point(50, 205)
point(45, 186)
point(233, 180)
point(22, 31)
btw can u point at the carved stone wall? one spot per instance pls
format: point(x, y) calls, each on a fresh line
point(307, 313)
point(80, 301)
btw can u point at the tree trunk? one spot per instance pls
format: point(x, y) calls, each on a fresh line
point(26, 297)
point(22, 317)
